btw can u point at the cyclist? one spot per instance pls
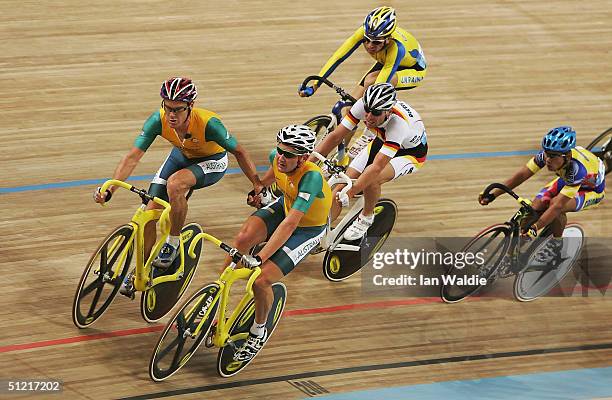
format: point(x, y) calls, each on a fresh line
point(198, 158)
point(400, 148)
point(292, 225)
point(399, 59)
point(579, 185)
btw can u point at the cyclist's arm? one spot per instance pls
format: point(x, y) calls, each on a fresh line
point(525, 172)
point(343, 52)
point(268, 177)
point(127, 165)
point(559, 205)
point(395, 54)
point(281, 234)
point(216, 132)
point(515, 180)
point(370, 173)
point(150, 130)
point(330, 142)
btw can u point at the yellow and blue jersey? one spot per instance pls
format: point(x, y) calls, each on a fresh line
point(403, 50)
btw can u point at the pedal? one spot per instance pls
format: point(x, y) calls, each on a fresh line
point(130, 293)
point(317, 250)
point(208, 342)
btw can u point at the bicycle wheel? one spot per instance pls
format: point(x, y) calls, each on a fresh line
point(601, 146)
point(533, 282)
point(176, 345)
point(226, 366)
point(322, 125)
point(492, 243)
point(96, 289)
point(339, 264)
point(159, 300)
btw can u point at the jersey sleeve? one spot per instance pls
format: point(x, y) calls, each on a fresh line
point(536, 163)
point(393, 58)
point(215, 132)
point(348, 47)
point(271, 156)
point(309, 188)
point(150, 130)
point(354, 115)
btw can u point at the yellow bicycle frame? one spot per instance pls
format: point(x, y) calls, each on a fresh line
point(230, 275)
point(142, 278)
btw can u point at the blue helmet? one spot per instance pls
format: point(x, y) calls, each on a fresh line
point(560, 140)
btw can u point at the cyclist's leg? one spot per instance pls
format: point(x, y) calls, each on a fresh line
point(408, 78)
point(281, 263)
point(259, 227)
point(547, 196)
point(158, 188)
point(202, 172)
point(177, 187)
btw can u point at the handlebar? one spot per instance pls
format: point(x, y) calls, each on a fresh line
point(164, 219)
point(345, 96)
point(234, 253)
point(523, 202)
point(335, 170)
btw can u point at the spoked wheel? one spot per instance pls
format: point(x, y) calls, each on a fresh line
point(97, 289)
point(226, 366)
point(492, 243)
point(537, 280)
point(601, 146)
point(159, 300)
point(343, 261)
point(178, 342)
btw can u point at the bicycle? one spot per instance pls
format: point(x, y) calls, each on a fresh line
point(194, 322)
point(109, 264)
point(508, 253)
point(601, 146)
point(344, 258)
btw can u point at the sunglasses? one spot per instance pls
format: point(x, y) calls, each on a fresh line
point(285, 153)
point(376, 113)
point(553, 155)
point(175, 110)
point(376, 42)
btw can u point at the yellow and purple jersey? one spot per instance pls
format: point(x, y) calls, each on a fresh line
point(584, 171)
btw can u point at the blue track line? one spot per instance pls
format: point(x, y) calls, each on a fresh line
point(231, 171)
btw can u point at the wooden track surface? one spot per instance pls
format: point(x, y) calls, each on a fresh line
point(78, 80)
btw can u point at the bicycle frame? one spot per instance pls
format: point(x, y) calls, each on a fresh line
point(514, 222)
point(143, 279)
point(230, 275)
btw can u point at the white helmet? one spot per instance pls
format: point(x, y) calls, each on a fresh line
point(300, 137)
point(379, 97)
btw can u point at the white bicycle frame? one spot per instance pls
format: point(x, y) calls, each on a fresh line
point(332, 238)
